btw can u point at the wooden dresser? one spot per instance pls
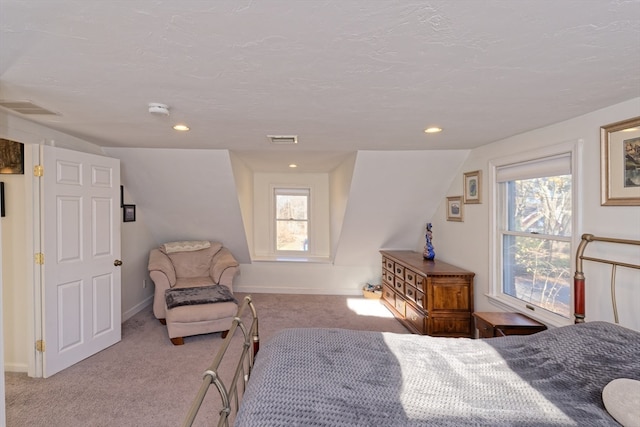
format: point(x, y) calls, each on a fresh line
point(428, 297)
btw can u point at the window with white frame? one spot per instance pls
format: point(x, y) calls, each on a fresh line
point(535, 220)
point(291, 219)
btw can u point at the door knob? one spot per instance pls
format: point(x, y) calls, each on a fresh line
point(117, 263)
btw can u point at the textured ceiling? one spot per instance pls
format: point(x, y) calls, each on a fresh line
point(343, 75)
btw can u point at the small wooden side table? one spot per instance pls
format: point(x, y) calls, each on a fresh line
point(500, 324)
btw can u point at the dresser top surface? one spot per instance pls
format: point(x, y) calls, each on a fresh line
point(416, 261)
point(504, 319)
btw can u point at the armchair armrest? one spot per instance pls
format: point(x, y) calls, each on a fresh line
point(161, 262)
point(224, 268)
point(163, 274)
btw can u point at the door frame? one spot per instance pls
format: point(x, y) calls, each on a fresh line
point(33, 211)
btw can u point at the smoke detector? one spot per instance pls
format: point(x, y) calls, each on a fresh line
point(157, 108)
point(283, 139)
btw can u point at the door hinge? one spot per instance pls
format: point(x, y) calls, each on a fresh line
point(40, 346)
point(38, 170)
point(39, 258)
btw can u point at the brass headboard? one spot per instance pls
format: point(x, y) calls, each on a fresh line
point(578, 279)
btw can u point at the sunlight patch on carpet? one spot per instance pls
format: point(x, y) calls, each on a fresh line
point(368, 307)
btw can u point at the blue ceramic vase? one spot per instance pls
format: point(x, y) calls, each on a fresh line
point(429, 253)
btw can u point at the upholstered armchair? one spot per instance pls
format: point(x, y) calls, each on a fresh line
point(191, 270)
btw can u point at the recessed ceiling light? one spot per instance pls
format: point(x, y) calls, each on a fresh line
point(181, 127)
point(293, 165)
point(433, 130)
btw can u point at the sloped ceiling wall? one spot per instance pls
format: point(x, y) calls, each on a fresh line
point(393, 194)
point(185, 195)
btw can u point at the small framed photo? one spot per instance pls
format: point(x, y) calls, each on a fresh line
point(620, 163)
point(472, 187)
point(128, 213)
point(454, 208)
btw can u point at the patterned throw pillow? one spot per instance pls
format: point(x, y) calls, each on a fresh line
point(185, 246)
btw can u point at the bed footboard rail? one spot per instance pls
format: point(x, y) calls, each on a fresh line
point(578, 278)
point(229, 394)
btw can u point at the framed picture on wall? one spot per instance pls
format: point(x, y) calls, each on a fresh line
point(620, 163)
point(472, 186)
point(128, 213)
point(11, 157)
point(454, 208)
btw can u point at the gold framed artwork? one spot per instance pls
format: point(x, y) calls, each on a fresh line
point(620, 163)
point(472, 187)
point(454, 208)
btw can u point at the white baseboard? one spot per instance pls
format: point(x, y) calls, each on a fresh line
point(137, 308)
point(15, 367)
point(305, 291)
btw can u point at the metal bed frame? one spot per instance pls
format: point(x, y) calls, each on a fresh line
point(578, 279)
point(251, 340)
point(229, 395)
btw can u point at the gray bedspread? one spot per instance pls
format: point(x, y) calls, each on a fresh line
point(334, 377)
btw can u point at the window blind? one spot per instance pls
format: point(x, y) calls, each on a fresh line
point(538, 168)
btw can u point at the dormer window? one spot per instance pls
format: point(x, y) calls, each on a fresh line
point(292, 219)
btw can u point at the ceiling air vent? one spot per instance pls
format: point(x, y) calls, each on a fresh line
point(283, 139)
point(26, 107)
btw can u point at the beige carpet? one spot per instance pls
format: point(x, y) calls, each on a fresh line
point(146, 381)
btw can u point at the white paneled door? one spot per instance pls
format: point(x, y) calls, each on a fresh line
point(80, 196)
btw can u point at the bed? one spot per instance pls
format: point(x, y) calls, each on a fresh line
point(337, 377)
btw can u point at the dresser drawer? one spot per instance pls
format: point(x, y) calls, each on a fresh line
point(450, 326)
point(389, 295)
point(387, 277)
point(409, 277)
point(415, 318)
point(410, 292)
point(398, 270)
point(400, 306)
point(485, 330)
point(420, 298)
point(387, 263)
point(399, 285)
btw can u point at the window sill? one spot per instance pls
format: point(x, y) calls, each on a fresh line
point(541, 316)
point(302, 259)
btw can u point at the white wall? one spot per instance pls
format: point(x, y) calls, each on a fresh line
point(392, 196)
point(135, 241)
point(244, 186)
point(466, 244)
point(15, 271)
point(185, 195)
